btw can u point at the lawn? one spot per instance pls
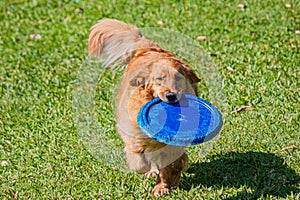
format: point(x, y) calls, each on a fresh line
point(55, 143)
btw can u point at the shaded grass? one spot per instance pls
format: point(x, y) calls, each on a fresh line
point(38, 138)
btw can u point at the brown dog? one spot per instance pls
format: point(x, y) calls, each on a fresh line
point(151, 72)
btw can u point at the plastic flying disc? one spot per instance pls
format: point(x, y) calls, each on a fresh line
point(190, 121)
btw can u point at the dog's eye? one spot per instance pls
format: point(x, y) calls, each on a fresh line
point(160, 79)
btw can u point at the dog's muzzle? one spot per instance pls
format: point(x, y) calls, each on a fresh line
point(171, 97)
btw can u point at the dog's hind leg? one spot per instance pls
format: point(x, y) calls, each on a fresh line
point(154, 171)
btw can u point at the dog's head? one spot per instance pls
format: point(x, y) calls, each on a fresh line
point(167, 78)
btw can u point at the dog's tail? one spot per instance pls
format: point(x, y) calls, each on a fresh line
point(111, 40)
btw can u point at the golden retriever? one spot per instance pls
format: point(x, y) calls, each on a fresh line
point(150, 72)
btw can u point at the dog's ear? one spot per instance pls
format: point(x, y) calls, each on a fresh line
point(190, 74)
point(138, 81)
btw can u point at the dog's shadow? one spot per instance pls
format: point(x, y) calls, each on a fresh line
point(263, 173)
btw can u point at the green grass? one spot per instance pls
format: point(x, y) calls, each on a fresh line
point(42, 154)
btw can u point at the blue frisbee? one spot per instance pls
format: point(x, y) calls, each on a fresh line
point(190, 121)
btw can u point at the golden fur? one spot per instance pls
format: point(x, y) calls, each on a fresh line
point(151, 72)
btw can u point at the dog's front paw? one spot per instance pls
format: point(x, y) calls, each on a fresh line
point(160, 189)
point(152, 173)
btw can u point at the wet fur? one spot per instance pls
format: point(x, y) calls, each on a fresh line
point(151, 72)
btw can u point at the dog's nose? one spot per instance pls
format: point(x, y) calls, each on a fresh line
point(171, 96)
